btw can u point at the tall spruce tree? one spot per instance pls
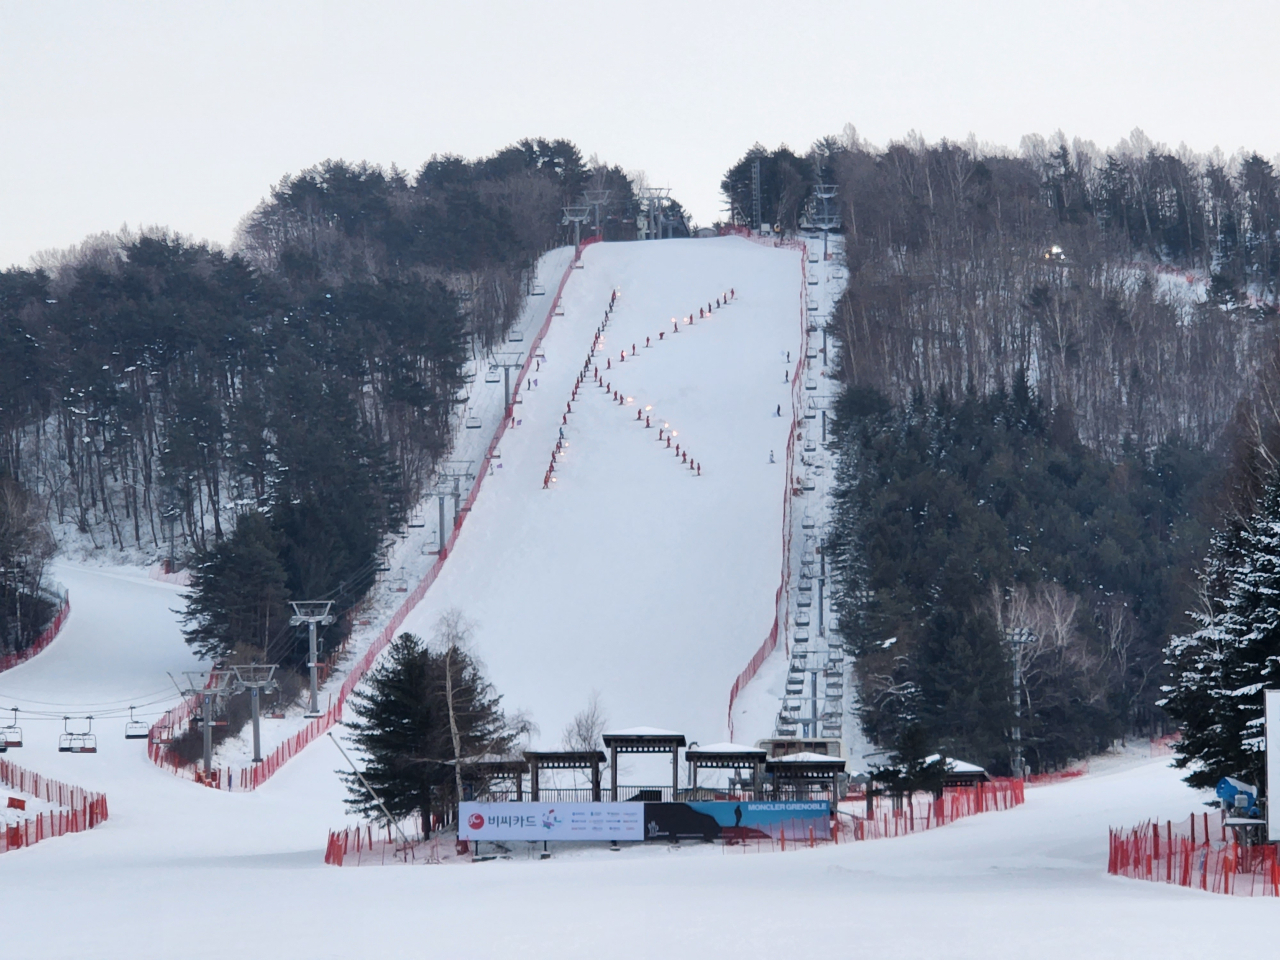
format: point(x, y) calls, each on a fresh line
point(419, 712)
point(1221, 669)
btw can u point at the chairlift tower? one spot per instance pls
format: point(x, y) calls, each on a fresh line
point(826, 216)
point(508, 362)
point(208, 685)
point(576, 214)
point(1018, 637)
point(757, 217)
point(450, 475)
point(257, 679)
point(312, 612)
point(597, 199)
point(653, 201)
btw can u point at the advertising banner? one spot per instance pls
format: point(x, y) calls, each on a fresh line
point(737, 820)
point(551, 821)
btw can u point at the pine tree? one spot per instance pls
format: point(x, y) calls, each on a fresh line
point(418, 712)
point(1221, 669)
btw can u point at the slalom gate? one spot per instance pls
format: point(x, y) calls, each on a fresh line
point(250, 778)
point(782, 598)
point(1196, 853)
point(11, 660)
point(82, 809)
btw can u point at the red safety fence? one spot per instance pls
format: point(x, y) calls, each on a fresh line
point(923, 811)
point(782, 597)
point(355, 846)
point(1199, 852)
point(250, 778)
point(81, 809)
point(10, 660)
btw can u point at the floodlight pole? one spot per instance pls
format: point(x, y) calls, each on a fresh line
point(312, 612)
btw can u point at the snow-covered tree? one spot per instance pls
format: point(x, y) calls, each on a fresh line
point(1220, 670)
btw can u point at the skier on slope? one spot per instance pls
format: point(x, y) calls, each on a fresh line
point(646, 341)
point(778, 412)
point(771, 460)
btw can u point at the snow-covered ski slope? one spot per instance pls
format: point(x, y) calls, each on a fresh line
point(633, 577)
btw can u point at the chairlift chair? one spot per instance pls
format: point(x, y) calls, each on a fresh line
point(136, 729)
point(812, 304)
point(813, 256)
point(806, 523)
point(559, 311)
point(474, 422)
point(537, 290)
point(802, 618)
point(807, 483)
point(811, 353)
point(11, 735)
point(77, 741)
point(804, 600)
point(400, 584)
point(811, 384)
point(810, 445)
point(515, 336)
point(802, 636)
point(813, 279)
point(162, 736)
point(492, 376)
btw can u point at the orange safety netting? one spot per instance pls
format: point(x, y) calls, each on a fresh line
point(1198, 852)
point(82, 809)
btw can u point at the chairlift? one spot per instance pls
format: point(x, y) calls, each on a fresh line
point(77, 741)
point(806, 585)
point(813, 279)
point(804, 600)
point(807, 483)
point(806, 523)
point(811, 384)
point(400, 584)
point(492, 376)
point(813, 256)
point(811, 353)
point(11, 735)
point(802, 636)
point(812, 304)
point(811, 411)
point(162, 736)
point(559, 311)
point(810, 445)
point(515, 336)
point(802, 618)
point(136, 729)
point(473, 422)
point(537, 290)
point(496, 455)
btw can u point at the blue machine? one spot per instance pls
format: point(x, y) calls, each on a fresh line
point(1238, 798)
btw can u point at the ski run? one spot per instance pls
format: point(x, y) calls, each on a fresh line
point(630, 573)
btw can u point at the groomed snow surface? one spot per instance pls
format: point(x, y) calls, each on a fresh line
point(631, 579)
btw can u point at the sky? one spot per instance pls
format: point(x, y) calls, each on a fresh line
point(184, 115)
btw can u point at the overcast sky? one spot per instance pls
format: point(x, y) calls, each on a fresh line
point(184, 114)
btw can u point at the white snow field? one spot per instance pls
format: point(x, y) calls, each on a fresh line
point(630, 578)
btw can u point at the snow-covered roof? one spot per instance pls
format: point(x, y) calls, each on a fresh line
point(724, 748)
point(956, 766)
point(807, 758)
point(643, 732)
